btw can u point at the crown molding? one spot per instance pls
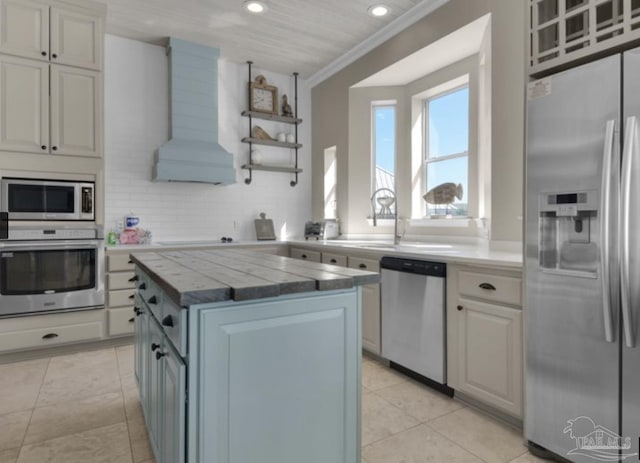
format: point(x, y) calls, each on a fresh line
point(412, 16)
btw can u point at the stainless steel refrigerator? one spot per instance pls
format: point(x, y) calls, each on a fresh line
point(582, 261)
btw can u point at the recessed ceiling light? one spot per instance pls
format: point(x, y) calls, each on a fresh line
point(378, 10)
point(254, 6)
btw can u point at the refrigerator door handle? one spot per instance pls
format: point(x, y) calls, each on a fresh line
point(605, 228)
point(631, 127)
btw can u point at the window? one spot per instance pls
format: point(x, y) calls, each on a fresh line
point(446, 153)
point(383, 148)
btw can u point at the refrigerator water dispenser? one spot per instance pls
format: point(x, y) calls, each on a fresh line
point(568, 221)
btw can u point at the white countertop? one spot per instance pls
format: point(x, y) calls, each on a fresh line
point(441, 249)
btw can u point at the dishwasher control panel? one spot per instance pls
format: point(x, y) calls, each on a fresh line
point(421, 267)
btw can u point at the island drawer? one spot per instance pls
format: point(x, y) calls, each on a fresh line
point(120, 297)
point(123, 280)
point(119, 262)
point(150, 294)
point(304, 254)
point(121, 321)
point(334, 259)
point(361, 263)
point(174, 324)
point(497, 288)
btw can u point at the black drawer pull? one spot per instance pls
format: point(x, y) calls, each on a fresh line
point(154, 346)
point(152, 300)
point(54, 56)
point(487, 286)
point(44, 53)
point(362, 266)
point(460, 307)
point(333, 261)
point(54, 148)
point(133, 296)
point(142, 286)
point(132, 320)
point(44, 147)
point(167, 321)
point(304, 256)
point(159, 355)
point(129, 262)
point(50, 336)
point(134, 278)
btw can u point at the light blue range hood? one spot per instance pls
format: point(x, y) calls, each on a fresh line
point(193, 153)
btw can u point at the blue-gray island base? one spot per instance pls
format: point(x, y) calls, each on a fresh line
point(243, 357)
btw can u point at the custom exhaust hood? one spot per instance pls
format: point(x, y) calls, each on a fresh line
point(193, 154)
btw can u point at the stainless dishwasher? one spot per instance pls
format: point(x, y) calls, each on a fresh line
point(413, 319)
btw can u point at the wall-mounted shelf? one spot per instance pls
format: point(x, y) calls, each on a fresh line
point(272, 168)
point(272, 117)
point(281, 144)
point(250, 166)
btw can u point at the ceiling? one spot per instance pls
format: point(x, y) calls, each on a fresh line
point(293, 35)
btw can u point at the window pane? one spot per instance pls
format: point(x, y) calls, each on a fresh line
point(384, 146)
point(448, 124)
point(450, 175)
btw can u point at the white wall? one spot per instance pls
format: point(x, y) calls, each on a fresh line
point(136, 123)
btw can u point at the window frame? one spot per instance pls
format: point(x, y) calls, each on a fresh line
point(426, 160)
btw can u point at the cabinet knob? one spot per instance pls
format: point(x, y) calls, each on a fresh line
point(362, 266)
point(142, 286)
point(132, 320)
point(133, 296)
point(152, 300)
point(333, 261)
point(134, 278)
point(44, 147)
point(304, 256)
point(487, 286)
point(159, 355)
point(154, 346)
point(54, 56)
point(460, 308)
point(54, 148)
point(44, 53)
point(129, 262)
point(167, 321)
point(50, 336)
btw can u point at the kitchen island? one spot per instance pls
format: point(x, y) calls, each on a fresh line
point(245, 357)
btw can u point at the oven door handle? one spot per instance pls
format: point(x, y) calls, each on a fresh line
point(53, 244)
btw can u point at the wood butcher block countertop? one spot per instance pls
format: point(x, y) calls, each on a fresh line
point(198, 277)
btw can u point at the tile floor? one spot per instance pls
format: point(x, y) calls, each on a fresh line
point(84, 408)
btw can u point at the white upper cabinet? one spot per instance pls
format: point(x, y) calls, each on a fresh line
point(47, 32)
point(24, 29)
point(76, 38)
point(24, 103)
point(75, 111)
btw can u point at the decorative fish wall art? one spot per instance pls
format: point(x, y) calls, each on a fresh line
point(445, 193)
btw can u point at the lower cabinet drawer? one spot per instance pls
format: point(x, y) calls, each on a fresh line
point(334, 259)
point(304, 254)
point(120, 298)
point(497, 288)
point(50, 336)
point(121, 321)
point(174, 324)
point(360, 263)
point(120, 280)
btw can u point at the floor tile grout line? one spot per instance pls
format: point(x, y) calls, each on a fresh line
point(391, 435)
point(124, 407)
point(33, 409)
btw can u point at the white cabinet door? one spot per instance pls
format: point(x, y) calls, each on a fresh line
point(490, 354)
point(24, 100)
point(76, 38)
point(371, 318)
point(24, 29)
point(75, 111)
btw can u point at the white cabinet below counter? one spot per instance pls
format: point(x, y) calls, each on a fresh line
point(484, 336)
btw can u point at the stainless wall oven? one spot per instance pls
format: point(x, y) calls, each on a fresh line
point(33, 199)
point(46, 270)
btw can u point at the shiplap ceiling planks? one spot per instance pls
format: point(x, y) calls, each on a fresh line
point(293, 35)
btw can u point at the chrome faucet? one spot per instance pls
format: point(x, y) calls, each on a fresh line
point(396, 237)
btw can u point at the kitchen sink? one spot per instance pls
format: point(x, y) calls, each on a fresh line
point(188, 243)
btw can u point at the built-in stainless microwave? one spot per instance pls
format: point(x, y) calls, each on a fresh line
point(31, 199)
